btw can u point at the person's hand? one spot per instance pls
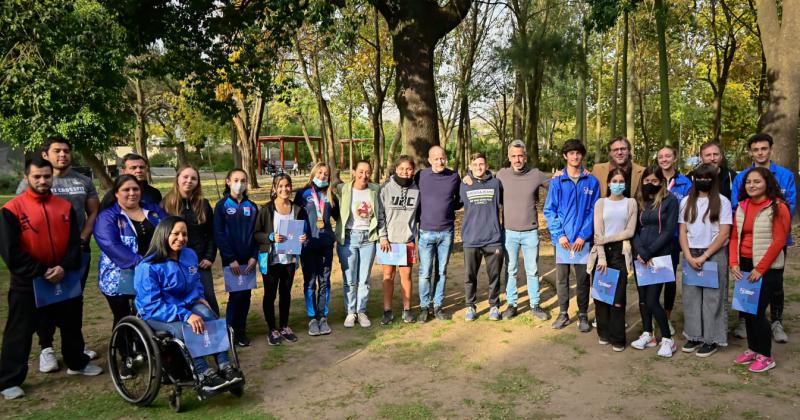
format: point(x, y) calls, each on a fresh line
point(558, 173)
point(303, 238)
point(235, 268)
point(251, 265)
point(385, 245)
point(641, 260)
point(754, 276)
point(578, 245)
point(204, 264)
point(586, 172)
point(279, 238)
point(204, 302)
point(467, 180)
point(196, 322)
point(736, 273)
point(602, 267)
point(563, 242)
point(694, 263)
point(55, 274)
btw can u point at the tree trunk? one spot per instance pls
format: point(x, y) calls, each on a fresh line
point(518, 131)
point(598, 126)
point(307, 138)
point(98, 169)
point(627, 118)
point(393, 147)
point(615, 94)
point(180, 149)
point(534, 90)
point(663, 73)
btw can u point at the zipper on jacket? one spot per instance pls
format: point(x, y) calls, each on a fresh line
point(49, 233)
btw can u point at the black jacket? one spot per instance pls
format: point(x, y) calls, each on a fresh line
point(264, 225)
point(655, 229)
point(725, 179)
point(201, 236)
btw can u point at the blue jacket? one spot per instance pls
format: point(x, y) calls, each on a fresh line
point(166, 291)
point(234, 223)
point(324, 238)
point(681, 186)
point(569, 208)
point(785, 181)
point(116, 239)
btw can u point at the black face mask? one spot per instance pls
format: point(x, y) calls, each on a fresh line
point(651, 189)
point(403, 182)
point(703, 185)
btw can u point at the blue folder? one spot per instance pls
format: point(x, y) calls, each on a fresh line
point(263, 262)
point(212, 341)
point(566, 256)
point(292, 230)
point(234, 283)
point(398, 255)
point(746, 294)
point(708, 277)
point(46, 293)
point(604, 286)
point(126, 285)
point(660, 272)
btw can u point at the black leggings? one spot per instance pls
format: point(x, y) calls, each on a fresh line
point(611, 318)
point(650, 307)
point(671, 288)
point(279, 279)
point(121, 306)
point(759, 331)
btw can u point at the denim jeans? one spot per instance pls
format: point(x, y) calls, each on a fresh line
point(356, 257)
point(432, 244)
point(176, 329)
point(529, 242)
point(317, 280)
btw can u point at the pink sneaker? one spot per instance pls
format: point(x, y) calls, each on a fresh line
point(762, 364)
point(746, 358)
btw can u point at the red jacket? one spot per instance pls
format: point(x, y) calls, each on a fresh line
point(38, 232)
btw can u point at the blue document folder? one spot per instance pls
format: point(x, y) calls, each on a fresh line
point(659, 272)
point(263, 262)
point(746, 294)
point(47, 293)
point(398, 255)
point(604, 286)
point(234, 283)
point(212, 341)
point(566, 256)
point(292, 230)
point(708, 277)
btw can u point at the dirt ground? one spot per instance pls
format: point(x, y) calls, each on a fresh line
point(450, 369)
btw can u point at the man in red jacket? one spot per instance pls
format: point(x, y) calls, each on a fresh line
point(40, 239)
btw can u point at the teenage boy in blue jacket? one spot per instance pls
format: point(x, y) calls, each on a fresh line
point(569, 211)
point(760, 148)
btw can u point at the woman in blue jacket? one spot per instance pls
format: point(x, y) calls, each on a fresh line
point(317, 256)
point(123, 233)
point(169, 293)
point(234, 221)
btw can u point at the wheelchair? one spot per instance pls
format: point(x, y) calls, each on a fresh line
point(141, 360)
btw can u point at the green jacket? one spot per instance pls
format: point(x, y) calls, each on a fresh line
point(344, 197)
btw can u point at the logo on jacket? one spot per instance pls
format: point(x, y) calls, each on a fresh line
point(193, 269)
point(587, 191)
point(246, 211)
point(230, 210)
point(25, 223)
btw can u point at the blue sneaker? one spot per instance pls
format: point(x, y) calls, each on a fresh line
point(471, 314)
point(494, 314)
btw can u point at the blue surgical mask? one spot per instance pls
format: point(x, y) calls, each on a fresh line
point(617, 188)
point(320, 183)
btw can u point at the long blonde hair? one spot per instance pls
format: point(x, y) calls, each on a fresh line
point(172, 201)
point(313, 174)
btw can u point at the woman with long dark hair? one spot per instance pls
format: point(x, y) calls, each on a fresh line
point(317, 257)
point(280, 273)
point(762, 224)
point(185, 199)
point(655, 231)
point(234, 224)
point(169, 293)
point(705, 225)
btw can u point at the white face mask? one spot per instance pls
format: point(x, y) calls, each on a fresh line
point(238, 188)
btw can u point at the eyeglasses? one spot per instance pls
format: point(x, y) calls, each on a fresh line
point(619, 149)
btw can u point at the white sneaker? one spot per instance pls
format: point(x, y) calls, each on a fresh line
point(91, 353)
point(363, 320)
point(667, 347)
point(350, 321)
point(13, 393)
point(594, 323)
point(47, 360)
point(89, 370)
point(645, 340)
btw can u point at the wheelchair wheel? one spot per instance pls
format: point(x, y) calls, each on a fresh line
point(237, 390)
point(175, 400)
point(134, 361)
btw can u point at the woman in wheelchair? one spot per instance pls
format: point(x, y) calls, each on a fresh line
point(169, 293)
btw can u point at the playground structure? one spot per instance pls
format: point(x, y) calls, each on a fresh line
point(281, 141)
point(343, 142)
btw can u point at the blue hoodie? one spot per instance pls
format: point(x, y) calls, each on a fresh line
point(569, 208)
point(234, 222)
point(166, 291)
point(785, 181)
point(481, 225)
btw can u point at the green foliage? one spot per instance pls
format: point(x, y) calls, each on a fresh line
point(8, 184)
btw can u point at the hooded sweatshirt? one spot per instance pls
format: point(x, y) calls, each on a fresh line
point(399, 213)
point(481, 224)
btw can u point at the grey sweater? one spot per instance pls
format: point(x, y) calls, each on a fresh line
point(520, 194)
point(399, 212)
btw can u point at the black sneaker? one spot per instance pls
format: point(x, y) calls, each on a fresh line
point(691, 346)
point(388, 317)
point(407, 317)
point(288, 334)
point(707, 350)
point(440, 314)
point(540, 313)
point(510, 312)
point(125, 372)
point(583, 323)
point(242, 340)
point(274, 338)
point(423, 315)
point(230, 374)
point(561, 321)
point(212, 381)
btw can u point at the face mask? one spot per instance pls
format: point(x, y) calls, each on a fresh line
point(617, 188)
point(703, 185)
point(651, 189)
point(238, 188)
point(403, 182)
point(319, 183)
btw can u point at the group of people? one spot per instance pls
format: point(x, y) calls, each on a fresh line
point(157, 253)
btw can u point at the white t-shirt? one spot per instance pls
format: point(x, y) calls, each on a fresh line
point(702, 232)
point(615, 214)
point(360, 210)
point(276, 221)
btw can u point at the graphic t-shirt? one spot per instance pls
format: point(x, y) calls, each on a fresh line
point(360, 210)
